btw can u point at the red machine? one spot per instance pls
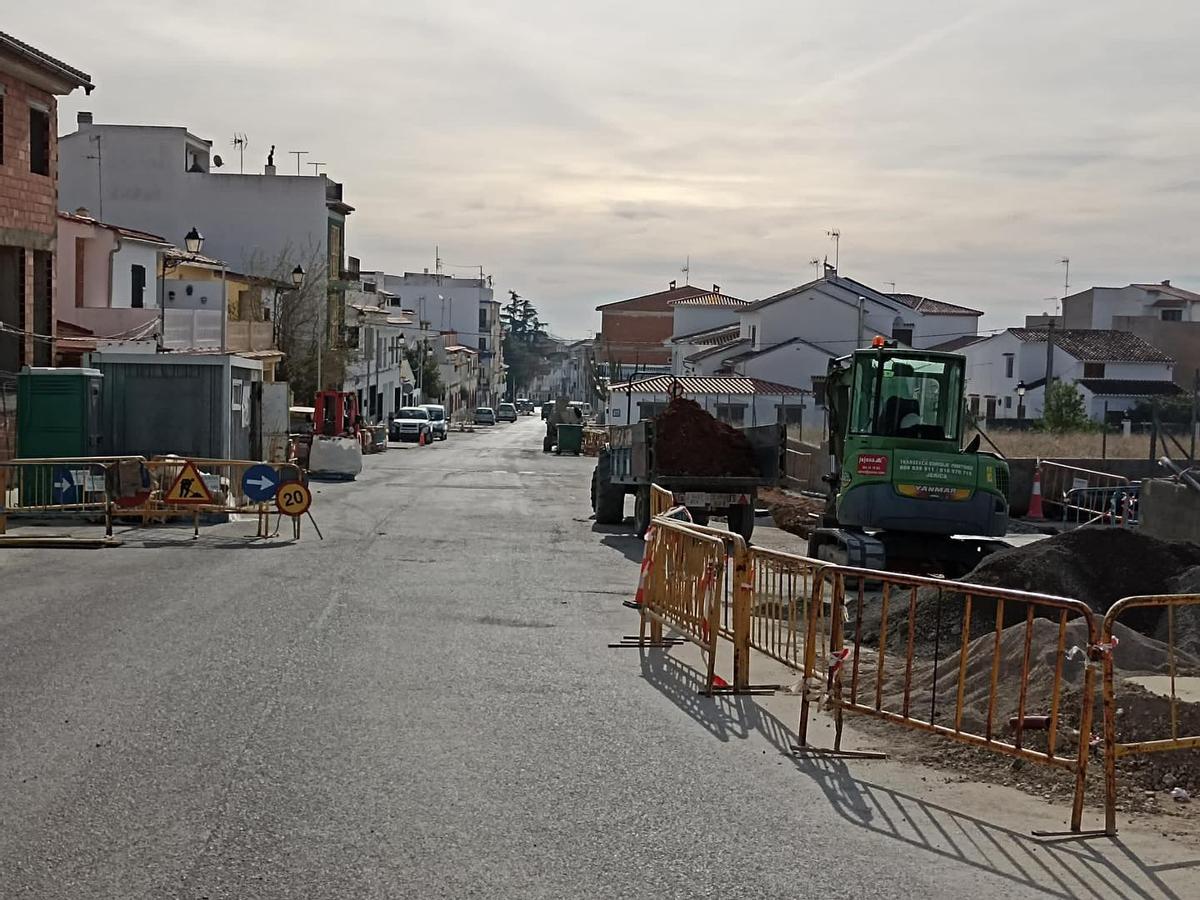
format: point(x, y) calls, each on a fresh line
point(336, 414)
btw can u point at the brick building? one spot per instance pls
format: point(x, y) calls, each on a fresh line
point(30, 82)
point(633, 332)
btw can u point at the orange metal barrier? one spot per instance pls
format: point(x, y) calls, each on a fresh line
point(1114, 749)
point(683, 581)
point(661, 500)
point(897, 683)
point(53, 486)
point(783, 592)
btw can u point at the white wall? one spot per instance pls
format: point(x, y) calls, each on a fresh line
point(134, 253)
point(97, 252)
point(928, 331)
point(250, 221)
point(690, 319)
point(794, 365)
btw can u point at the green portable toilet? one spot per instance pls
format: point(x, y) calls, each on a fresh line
point(58, 412)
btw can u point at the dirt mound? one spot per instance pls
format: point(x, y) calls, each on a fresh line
point(1096, 565)
point(691, 442)
point(792, 513)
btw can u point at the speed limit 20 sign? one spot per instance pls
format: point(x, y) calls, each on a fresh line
point(293, 498)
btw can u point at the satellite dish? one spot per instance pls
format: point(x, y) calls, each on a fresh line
point(217, 161)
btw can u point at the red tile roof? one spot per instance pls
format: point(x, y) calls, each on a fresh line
point(706, 384)
point(46, 61)
point(710, 299)
point(657, 302)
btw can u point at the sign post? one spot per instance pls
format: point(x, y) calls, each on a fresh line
point(294, 499)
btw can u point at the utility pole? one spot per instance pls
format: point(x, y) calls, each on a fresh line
point(1049, 362)
point(1066, 264)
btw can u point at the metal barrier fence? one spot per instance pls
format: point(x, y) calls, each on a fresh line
point(1059, 479)
point(782, 594)
point(1114, 749)
point(1116, 506)
point(125, 487)
point(683, 582)
point(902, 693)
point(661, 500)
point(50, 487)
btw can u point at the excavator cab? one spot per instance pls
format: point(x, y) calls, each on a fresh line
point(900, 477)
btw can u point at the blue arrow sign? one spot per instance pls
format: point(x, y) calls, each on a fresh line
point(64, 488)
point(259, 483)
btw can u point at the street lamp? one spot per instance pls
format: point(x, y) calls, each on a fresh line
point(298, 277)
point(1021, 400)
point(193, 240)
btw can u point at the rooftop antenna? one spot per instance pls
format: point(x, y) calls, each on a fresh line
point(98, 156)
point(816, 264)
point(893, 284)
point(437, 259)
point(316, 167)
point(837, 245)
point(686, 271)
point(298, 154)
point(1066, 264)
point(241, 142)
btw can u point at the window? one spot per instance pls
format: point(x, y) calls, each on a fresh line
point(907, 397)
point(975, 405)
point(483, 345)
point(790, 414)
point(1093, 370)
point(753, 337)
point(1168, 315)
point(483, 320)
point(734, 414)
point(1008, 365)
point(137, 286)
point(991, 408)
point(1008, 402)
point(39, 141)
point(335, 250)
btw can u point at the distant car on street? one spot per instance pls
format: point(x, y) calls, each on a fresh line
point(507, 413)
point(437, 420)
point(485, 415)
point(524, 406)
point(410, 424)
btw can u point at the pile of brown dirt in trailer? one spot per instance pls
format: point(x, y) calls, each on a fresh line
point(691, 442)
point(792, 513)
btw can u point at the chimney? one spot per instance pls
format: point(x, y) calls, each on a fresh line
point(83, 118)
point(1166, 282)
point(83, 211)
point(716, 289)
point(672, 284)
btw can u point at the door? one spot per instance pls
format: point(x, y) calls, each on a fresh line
point(991, 408)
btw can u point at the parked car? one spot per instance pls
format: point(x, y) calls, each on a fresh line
point(507, 413)
point(437, 420)
point(485, 415)
point(410, 424)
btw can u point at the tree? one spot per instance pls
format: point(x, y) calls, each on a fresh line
point(1064, 410)
point(425, 367)
point(527, 346)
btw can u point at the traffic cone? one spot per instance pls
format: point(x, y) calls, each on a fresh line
point(1035, 499)
point(647, 559)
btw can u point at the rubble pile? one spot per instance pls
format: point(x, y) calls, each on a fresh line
point(691, 442)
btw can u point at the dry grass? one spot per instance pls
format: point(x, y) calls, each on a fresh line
point(1083, 445)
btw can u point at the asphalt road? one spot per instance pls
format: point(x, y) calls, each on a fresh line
point(421, 705)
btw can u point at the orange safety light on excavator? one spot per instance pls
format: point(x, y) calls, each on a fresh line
point(878, 342)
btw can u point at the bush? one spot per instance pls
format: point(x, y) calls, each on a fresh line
point(1064, 410)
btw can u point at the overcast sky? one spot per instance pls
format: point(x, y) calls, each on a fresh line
point(581, 151)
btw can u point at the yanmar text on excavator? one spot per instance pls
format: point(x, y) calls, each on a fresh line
point(904, 494)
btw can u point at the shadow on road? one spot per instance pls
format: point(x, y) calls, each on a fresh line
point(1067, 867)
point(627, 544)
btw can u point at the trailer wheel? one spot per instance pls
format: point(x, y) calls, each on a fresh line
point(608, 499)
point(741, 519)
point(641, 511)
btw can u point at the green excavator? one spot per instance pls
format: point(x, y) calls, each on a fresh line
point(904, 494)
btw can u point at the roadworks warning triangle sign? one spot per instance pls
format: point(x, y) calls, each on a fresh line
point(188, 487)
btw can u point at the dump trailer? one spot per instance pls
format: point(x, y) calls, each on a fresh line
point(628, 464)
point(903, 492)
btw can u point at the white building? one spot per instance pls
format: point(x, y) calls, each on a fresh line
point(378, 371)
point(1098, 306)
point(1112, 367)
point(790, 337)
point(464, 306)
point(703, 312)
point(731, 398)
point(167, 181)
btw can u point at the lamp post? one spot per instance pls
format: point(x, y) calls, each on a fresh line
point(297, 284)
point(193, 241)
point(1021, 401)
